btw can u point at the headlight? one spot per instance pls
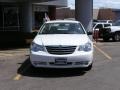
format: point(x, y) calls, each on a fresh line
point(86, 47)
point(35, 47)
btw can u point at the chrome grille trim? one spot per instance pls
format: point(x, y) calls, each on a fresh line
point(60, 50)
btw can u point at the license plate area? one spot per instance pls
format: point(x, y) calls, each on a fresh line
point(60, 61)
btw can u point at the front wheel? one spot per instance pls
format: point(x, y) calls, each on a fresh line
point(89, 67)
point(105, 39)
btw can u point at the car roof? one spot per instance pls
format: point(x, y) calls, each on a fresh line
point(62, 21)
point(101, 23)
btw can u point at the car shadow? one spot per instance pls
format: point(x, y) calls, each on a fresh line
point(26, 69)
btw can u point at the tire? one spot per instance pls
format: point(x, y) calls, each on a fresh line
point(106, 39)
point(116, 36)
point(88, 68)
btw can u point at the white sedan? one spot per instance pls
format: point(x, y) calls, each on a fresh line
point(62, 44)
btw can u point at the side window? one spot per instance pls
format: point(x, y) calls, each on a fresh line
point(106, 25)
point(99, 26)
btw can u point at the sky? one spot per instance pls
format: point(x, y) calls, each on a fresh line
point(99, 4)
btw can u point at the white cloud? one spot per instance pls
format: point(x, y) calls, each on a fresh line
point(106, 3)
point(99, 3)
point(71, 4)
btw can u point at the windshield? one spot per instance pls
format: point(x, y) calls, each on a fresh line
point(62, 28)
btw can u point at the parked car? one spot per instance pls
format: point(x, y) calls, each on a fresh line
point(62, 44)
point(100, 27)
point(112, 32)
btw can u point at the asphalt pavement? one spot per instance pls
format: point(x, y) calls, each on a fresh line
point(16, 72)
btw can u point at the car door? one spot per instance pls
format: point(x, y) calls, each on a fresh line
point(99, 27)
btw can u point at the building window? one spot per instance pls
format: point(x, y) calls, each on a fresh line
point(1, 19)
point(9, 17)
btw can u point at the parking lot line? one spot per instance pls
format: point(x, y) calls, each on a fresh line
point(105, 54)
point(17, 77)
point(5, 54)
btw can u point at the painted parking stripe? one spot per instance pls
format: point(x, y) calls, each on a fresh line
point(17, 77)
point(5, 54)
point(105, 54)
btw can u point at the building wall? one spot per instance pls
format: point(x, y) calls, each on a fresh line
point(103, 14)
point(117, 14)
point(27, 10)
point(63, 13)
point(100, 14)
point(95, 14)
point(107, 14)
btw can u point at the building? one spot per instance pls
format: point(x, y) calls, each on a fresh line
point(103, 14)
point(25, 15)
point(106, 14)
point(117, 14)
point(18, 17)
point(63, 13)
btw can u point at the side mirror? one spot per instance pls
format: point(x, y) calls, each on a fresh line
point(89, 32)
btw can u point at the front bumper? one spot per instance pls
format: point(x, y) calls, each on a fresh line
point(75, 60)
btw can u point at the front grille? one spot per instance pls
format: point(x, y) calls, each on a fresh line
point(60, 50)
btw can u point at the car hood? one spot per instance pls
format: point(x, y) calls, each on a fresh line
point(114, 28)
point(57, 39)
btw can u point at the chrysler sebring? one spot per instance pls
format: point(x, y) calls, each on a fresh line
point(62, 44)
